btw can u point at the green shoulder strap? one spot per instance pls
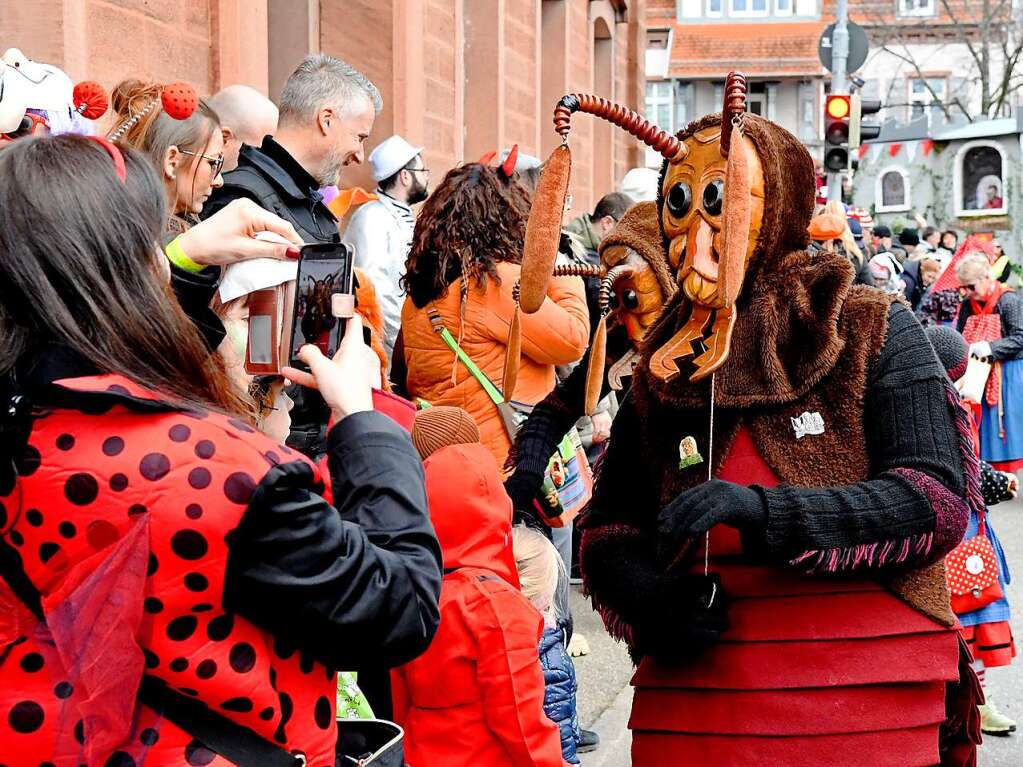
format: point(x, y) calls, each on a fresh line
point(488, 386)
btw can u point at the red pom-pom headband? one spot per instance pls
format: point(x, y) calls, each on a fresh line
point(91, 100)
point(179, 100)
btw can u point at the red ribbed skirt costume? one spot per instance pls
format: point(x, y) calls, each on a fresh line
point(813, 671)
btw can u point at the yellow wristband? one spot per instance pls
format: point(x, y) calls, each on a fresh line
point(176, 255)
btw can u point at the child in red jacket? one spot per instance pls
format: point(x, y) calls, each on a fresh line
point(476, 696)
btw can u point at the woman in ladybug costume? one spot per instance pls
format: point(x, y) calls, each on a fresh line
point(177, 589)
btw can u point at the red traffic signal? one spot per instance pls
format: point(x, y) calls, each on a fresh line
point(837, 111)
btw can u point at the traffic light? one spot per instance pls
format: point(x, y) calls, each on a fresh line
point(858, 132)
point(836, 132)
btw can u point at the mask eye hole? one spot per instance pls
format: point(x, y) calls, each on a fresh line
point(679, 200)
point(630, 300)
point(714, 197)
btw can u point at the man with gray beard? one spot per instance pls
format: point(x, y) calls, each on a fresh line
point(327, 109)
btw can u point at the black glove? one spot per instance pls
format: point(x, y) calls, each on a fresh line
point(697, 510)
point(691, 616)
point(522, 488)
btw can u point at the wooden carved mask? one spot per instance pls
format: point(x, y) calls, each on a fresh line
point(712, 232)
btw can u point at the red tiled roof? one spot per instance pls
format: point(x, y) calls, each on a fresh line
point(759, 49)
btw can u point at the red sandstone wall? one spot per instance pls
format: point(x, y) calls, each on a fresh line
point(456, 99)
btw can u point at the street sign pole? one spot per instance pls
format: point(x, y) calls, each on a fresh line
point(839, 80)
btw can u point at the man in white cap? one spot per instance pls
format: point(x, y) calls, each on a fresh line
point(380, 232)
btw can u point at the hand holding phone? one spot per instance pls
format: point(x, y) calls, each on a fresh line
point(345, 381)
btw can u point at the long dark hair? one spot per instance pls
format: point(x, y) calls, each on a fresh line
point(475, 219)
point(78, 267)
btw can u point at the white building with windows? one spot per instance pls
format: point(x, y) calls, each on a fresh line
point(918, 62)
point(963, 176)
point(693, 44)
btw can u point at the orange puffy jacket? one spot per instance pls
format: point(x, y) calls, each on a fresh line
point(557, 334)
point(476, 696)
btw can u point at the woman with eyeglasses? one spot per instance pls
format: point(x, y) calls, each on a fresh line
point(188, 154)
point(999, 341)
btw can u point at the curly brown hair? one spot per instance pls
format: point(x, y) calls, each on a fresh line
point(475, 219)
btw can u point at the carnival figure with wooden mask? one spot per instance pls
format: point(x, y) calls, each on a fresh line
point(782, 589)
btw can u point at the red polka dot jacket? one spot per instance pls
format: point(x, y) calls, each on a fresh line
point(187, 547)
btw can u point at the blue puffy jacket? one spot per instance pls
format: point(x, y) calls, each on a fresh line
point(559, 690)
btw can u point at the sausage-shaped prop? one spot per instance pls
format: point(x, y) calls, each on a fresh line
point(735, 219)
point(513, 356)
point(543, 231)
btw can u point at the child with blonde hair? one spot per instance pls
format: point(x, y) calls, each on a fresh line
point(540, 570)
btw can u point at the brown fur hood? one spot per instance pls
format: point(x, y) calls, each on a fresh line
point(786, 337)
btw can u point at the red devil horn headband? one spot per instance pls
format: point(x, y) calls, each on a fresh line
point(179, 100)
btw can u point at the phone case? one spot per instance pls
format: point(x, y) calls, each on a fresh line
point(274, 303)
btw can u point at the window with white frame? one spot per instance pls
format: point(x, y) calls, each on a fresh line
point(806, 8)
point(926, 96)
point(660, 104)
point(892, 190)
point(917, 8)
point(691, 9)
point(715, 7)
point(658, 52)
point(685, 109)
point(740, 8)
point(979, 173)
point(783, 7)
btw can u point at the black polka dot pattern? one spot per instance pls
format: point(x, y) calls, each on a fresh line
point(81, 489)
point(205, 449)
point(180, 629)
point(120, 759)
point(241, 705)
point(179, 433)
point(32, 662)
point(324, 713)
point(189, 544)
point(242, 657)
point(154, 466)
point(197, 755)
point(238, 487)
point(149, 737)
point(63, 690)
point(118, 482)
point(113, 446)
point(206, 669)
point(200, 478)
point(65, 442)
point(153, 605)
point(196, 582)
point(25, 717)
point(220, 628)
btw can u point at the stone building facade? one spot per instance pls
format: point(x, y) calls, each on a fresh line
point(460, 77)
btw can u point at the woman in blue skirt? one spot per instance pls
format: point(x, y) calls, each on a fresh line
point(991, 319)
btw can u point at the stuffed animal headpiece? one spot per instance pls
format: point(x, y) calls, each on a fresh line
point(45, 89)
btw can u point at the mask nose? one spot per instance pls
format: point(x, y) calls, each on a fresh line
point(700, 248)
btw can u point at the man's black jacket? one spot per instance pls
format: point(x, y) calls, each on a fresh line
point(274, 180)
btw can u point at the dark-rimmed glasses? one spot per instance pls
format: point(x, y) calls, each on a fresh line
point(216, 163)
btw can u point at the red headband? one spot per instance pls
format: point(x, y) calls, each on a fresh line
point(115, 154)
